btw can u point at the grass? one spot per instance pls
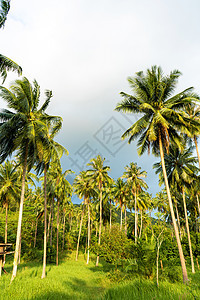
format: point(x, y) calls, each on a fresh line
point(70, 280)
point(76, 280)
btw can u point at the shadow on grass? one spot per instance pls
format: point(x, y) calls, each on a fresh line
point(102, 267)
point(79, 288)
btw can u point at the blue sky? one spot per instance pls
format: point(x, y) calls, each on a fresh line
point(85, 50)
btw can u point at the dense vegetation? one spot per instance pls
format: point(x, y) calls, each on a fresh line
point(113, 226)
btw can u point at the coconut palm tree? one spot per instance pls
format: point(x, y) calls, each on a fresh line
point(52, 151)
point(4, 9)
point(6, 64)
point(135, 180)
point(63, 191)
point(83, 188)
point(23, 130)
point(9, 188)
point(120, 193)
point(181, 170)
point(160, 119)
point(192, 110)
point(99, 176)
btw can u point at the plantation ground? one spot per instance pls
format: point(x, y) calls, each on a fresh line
point(76, 280)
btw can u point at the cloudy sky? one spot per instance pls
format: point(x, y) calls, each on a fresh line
point(84, 50)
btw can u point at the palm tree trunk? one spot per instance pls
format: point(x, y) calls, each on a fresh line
point(14, 273)
point(178, 220)
point(6, 231)
point(100, 223)
point(51, 235)
point(198, 204)
point(135, 218)
point(197, 150)
point(35, 232)
point(49, 223)
point(57, 233)
point(125, 218)
point(110, 216)
point(45, 224)
point(140, 224)
point(63, 243)
point(188, 231)
point(79, 234)
point(121, 218)
point(88, 254)
point(182, 259)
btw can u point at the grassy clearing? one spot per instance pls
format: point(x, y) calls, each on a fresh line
point(70, 280)
point(76, 280)
point(146, 290)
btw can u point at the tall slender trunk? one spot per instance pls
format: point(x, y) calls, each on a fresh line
point(110, 216)
point(49, 223)
point(57, 233)
point(197, 150)
point(88, 253)
point(140, 224)
point(188, 230)
point(63, 243)
point(20, 249)
point(45, 224)
point(100, 223)
point(135, 217)
point(6, 231)
point(198, 204)
point(79, 234)
point(35, 232)
point(121, 217)
point(178, 220)
point(125, 218)
point(182, 259)
point(14, 273)
point(51, 235)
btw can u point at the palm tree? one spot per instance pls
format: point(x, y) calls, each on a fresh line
point(9, 188)
point(134, 176)
point(120, 192)
point(83, 188)
point(99, 176)
point(52, 151)
point(6, 64)
point(4, 9)
point(180, 169)
point(193, 112)
point(63, 191)
point(160, 119)
point(24, 131)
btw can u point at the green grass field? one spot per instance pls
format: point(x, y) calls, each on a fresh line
point(76, 280)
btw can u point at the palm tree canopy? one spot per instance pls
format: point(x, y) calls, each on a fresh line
point(23, 125)
point(6, 64)
point(99, 172)
point(9, 182)
point(83, 186)
point(4, 9)
point(160, 111)
point(180, 166)
point(134, 177)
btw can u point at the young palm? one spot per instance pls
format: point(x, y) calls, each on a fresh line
point(160, 119)
point(135, 180)
point(99, 176)
point(23, 130)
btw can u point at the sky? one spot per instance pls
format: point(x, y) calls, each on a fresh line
point(84, 51)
